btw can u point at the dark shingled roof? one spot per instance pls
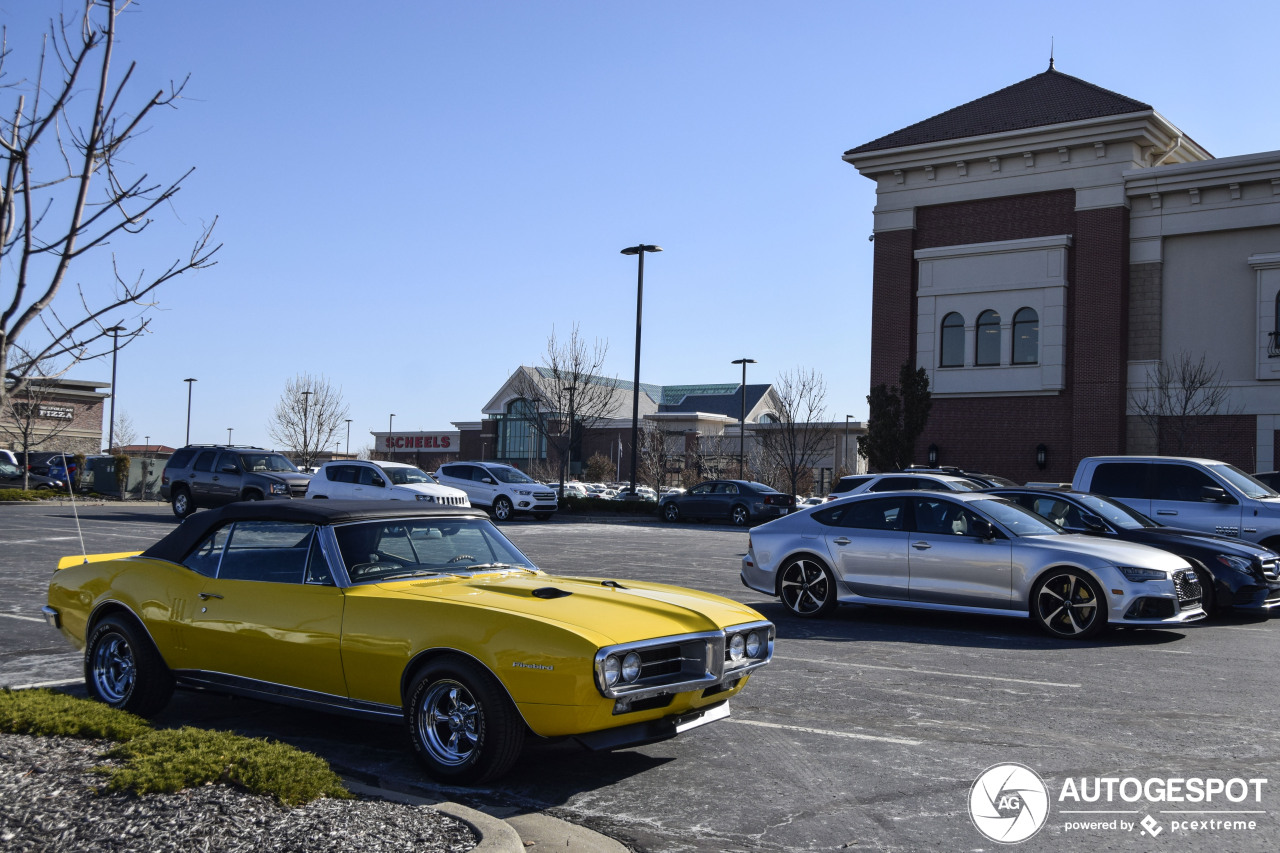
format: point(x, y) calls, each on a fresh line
point(1048, 98)
point(729, 405)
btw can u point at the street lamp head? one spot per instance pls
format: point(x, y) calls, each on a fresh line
point(743, 361)
point(191, 380)
point(114, 330)
point(643, 247)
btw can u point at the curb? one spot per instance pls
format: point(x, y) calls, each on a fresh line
point(493, 835)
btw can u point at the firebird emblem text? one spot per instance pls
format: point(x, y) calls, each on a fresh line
point(523, 665)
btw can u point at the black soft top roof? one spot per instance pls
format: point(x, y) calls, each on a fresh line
point(182, 539)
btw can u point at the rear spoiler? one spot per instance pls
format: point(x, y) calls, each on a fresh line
point(68, 562)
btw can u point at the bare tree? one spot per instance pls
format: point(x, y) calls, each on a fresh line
point(30, 418)
point(659, 452)
point(712, 457)
point(123, 432)
point(800, 437)
point(68, 191)
point(1177, 394)
point(309, 416)
point(567, 395)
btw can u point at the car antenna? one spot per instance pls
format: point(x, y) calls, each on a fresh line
point(72, 492)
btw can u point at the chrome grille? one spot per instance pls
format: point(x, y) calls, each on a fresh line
point(1187, 585)
point(1271, 568)
point(544, 496)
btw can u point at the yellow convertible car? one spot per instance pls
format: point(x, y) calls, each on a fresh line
point(428, 616)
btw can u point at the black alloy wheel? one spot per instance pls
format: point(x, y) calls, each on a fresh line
point(807, 587)
point(1068, 603)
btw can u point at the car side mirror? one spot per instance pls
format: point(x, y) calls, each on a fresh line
point(1216, 495)
point(379, 482)
point(487, 480)
point(230, 469)
point(983, 529)
point(1092, 523)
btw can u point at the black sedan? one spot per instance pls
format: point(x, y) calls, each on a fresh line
point(11, 478)
point(1233, 572)
point(739, 502)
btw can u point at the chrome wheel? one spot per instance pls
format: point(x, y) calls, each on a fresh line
point(450, 723)
point(807, 587)
point(113, 669)
point(1068, 604)
point(739, 516)
point(502, 509)
point(671, 512)
point(182, 503)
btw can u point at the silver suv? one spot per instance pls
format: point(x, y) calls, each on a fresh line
point(502, 489)
point(208, 475)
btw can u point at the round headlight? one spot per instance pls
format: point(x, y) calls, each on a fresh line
point(737, 646)
point(631, 667)
point(753, 645)
point(611, 670)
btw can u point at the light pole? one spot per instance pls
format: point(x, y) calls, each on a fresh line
point(229, 435)
point(111, 427)
point(188, 381)
point(635, 388)
point(348, 453)
point(306, 453)
point(844, 454)
point(742, 419)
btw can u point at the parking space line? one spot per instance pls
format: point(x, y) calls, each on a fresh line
point(930, 672)
point(65, 682)
point(23, 618)
point(905, 741)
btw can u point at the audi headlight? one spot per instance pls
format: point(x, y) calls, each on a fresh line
point(1139, 575)
point(630, 667)
point(612, 670)
point(737, 647)
point(1231, 561)
point(754, 644)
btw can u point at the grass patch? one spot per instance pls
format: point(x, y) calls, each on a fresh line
point(168, 760)
point(24, 494)
point(50, 714)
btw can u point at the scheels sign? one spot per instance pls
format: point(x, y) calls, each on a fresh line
point(405, 442)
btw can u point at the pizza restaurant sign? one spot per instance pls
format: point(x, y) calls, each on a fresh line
point(414, 442)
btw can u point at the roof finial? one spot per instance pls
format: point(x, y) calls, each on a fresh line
point(1050, 53)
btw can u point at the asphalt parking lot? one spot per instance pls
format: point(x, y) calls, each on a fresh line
point(866, 733)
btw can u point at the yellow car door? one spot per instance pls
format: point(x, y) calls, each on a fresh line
point(270, 611)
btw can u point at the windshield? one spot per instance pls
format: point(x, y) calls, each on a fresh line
point(511, 475)
point(418, 547)
point(267, 462)
point(1252, 488)
point(1116, 513)
point(1022, 522)
point(407, 476)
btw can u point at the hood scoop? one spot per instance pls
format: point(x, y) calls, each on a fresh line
point(550, 592)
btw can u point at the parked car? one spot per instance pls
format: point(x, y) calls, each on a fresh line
point(427, 616)
point(7, 456)
point(210, 475)
point(11, 477)
point(43, 462)
point(1269, 478)
point(1232, 572)
point(856, 484)
point(739, 502)
point(812, 500)
point(1200, 494)
point(966, 552)
point(502, 489)
point(380, 481)
point(982, 477)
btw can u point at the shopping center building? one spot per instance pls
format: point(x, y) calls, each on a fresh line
point(1048, 253)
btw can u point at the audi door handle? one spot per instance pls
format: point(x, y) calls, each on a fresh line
point(921, 546)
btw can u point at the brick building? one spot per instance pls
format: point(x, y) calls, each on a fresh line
point(56, 414)
point(1042, 251)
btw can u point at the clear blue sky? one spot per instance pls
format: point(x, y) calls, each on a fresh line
point(413, 194)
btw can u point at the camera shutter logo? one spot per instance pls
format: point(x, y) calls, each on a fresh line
point(1009, 803)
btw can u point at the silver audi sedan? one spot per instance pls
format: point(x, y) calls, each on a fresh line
point(966, 552)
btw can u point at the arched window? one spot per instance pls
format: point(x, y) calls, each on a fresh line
point(952, 347)
point(1026, 336)
point(987, 346)
point(518, 438)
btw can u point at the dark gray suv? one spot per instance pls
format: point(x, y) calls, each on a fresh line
point(208, 475)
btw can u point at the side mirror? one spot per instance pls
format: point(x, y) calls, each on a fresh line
point(379, 482)
point(230, 469)
point(1216, 495)
point(984, 529)
point(1092, 523)
point(487, 480)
